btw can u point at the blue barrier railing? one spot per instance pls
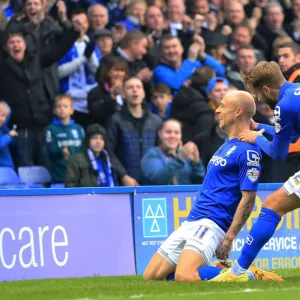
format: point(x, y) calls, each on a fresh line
point(116, 190)
point(74, 232)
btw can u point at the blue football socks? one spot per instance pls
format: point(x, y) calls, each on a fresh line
point(258, 236)
point(205, 273)
point(171, 277)
point(209, 272)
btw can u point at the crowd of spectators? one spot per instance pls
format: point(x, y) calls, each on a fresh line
point(123, 92)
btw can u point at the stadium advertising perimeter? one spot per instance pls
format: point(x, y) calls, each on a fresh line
point(52, 236)
point(158, 214)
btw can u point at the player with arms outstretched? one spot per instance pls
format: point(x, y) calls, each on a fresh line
point(223, 205)
point(267, 83)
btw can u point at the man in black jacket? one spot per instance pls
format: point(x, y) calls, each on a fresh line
point(131, 132)
point(22, 87)
point(39, 28)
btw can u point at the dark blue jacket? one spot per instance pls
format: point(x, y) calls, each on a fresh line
point(127, 144)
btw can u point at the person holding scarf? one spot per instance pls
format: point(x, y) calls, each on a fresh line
point(91, 168)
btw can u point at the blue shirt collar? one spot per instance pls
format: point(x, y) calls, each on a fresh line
point(283, 88)
point(56, 121)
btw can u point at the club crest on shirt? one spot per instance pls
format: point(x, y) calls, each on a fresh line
point(253, 174)
point(230, 151)
point(277, 127)
point(75, 133)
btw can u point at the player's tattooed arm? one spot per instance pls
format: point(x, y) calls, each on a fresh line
point(241, 215)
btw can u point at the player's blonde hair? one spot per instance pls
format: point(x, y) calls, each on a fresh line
point(263, 74)
point(4, 108)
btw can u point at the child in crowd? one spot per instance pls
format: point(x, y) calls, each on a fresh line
point(92, 167)
point(64, 138)
point(161, 100)
point(6, 136)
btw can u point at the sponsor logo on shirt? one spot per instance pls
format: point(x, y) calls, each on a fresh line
point(253, 174)
point(253, 158)
point(218, 160)
point(230, 151)
point(69, 143)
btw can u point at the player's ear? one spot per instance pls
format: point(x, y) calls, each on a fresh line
point(239, 111)
point(266, 89)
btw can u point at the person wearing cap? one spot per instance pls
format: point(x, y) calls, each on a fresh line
point(216, 89)
point(92, 167)
point(216, 45)
point(104, 42)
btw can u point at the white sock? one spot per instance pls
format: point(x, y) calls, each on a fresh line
point(251, 275)
point(236, 269)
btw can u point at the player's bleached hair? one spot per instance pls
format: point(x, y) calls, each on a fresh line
point(263, 74)
point(4, 108)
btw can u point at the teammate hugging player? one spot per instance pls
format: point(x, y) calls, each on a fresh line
point(223, 205)
point(267, 83)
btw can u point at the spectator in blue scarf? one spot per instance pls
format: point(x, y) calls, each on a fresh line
point(91, 168)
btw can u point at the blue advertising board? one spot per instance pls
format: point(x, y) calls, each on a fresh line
point(158, 214)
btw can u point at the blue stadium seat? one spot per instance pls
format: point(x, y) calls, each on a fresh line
point(35, 176)
point(9, 179)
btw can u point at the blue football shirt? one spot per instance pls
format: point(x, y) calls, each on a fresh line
point(287, 123)
point(235, 167)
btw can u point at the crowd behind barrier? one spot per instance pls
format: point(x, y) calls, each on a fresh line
point(54, 233)
point(86, 86)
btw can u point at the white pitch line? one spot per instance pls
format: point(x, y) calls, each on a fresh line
point(141, 296)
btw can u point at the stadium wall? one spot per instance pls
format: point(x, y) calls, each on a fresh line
point(52, 233)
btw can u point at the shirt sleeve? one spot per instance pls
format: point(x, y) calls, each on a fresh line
point(284, 132)
point(249, 164)
point(268, 129)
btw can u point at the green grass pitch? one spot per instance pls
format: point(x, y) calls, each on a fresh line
point(133, 287)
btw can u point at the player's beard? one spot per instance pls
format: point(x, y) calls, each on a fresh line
point(271, 102)
point(268, 99)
